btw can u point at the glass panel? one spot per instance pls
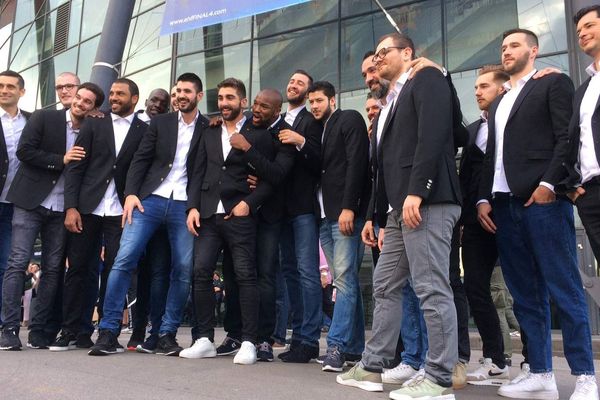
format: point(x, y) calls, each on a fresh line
point(149, 79)
point(422, 22)
point(50, 28)
point(215, 65)
point(87, 54)
point(473, 38)
point(93, 18)
point(5, 38)
point(75, 22)
point(464, 82)
point(560, 61)
point(275, 58)
point(354, 100)
point(547, 19)
point(56, 3)
point(29, 101)
point(25, 46)
point(143, 5)
point(214, 35)
point(63, 62)
point(25, 13)
point(353, 7)
point(144, 45)
point(296, 16)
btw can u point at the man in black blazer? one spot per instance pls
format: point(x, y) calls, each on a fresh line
point(527, 149)
point(94, 199)
point(418, 190)
point(222, 212)
point(156, 192)
point(12, 122)
point(343, 200)
point(37, 191)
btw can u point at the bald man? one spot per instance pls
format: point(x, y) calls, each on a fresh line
point(156, 103)
point(66, 88)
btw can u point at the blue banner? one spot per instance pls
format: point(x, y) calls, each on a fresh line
point(183, 15)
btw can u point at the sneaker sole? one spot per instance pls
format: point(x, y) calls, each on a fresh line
point(34, 347)
point(230, 353)
point(101, 352)
point(489, 382)
point(398, 396)
point(244, 362)
point(62, 348)
point(196, 357)
point(11, 348)
point(174, 353)
point(539, 395)
point(368, 386)
point(394, 381)
point(142, 350)
point(331, 368)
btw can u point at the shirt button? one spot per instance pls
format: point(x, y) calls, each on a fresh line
point(223, 168)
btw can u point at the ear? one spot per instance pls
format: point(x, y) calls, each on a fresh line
point(244, 103)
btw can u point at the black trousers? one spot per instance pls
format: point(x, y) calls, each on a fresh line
point(460, 298)
point(238, 235)
point(479, 255)
point(81, 255)
point(588, 207)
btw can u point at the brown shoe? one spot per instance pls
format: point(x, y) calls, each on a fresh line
point(459, 376)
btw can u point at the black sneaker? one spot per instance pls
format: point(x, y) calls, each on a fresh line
point(10, 339)
point(302, 354)
point(149, 345)
point(334, 360)
point(229, 346)
point(84, 341)
point(137, 338)
point(321, 359)
point(106, 344)
point(66, 341)
point(264, 352)
point(37, 340)
point(293, 345)
point(352, 359)
point(168, 346)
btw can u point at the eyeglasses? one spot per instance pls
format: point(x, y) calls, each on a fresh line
point(68, 86)
point(383, 52)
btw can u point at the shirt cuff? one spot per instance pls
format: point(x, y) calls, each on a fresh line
point(481, 202)
point(546, 184)
point(301, 146)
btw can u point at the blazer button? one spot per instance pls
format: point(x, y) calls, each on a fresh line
point(223, 168)
point(108, 181)
point(170, 165)
point(114, 167)
point(323, 171)
point(4, 176)
point(162, 179)
point(54, 182)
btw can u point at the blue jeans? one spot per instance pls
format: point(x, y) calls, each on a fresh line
point(300, 267)
point(158, 255)
point(344, 255)
point(157, 210)
point(413, 329)
point(6, 213)
point(538, 256)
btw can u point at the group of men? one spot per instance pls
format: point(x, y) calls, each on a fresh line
point(164, 194)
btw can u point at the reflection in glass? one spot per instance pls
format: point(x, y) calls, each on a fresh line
point(64, 62)
point(547, 19)
point(464, 82)
point(150, 79)
point(87, 54)
point(143, 5)
point(75, 21)
point(93, 17)
point(560, 61)
point(353, 7)
point(214, 35)
point(25, 46)
point(29, 102)
point(296, 16)
point(25, 13)
point(354, 100)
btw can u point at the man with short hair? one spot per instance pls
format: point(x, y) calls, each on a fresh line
point(174, 103)
point(156, 103)
point(45, 148)
point(66, 87)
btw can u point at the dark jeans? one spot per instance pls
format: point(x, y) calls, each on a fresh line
point(282, 308)
point(82, 254)
point(6, 214)
point(588, 207)
point(539, 260)
point(238, 234)
point(158, 261)
point(460, 298)
point(26, 225)
point(479, 255)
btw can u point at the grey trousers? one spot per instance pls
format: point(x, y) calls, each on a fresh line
point(423, 254)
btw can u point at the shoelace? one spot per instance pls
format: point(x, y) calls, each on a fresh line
point(416, 380)
point(263, 346)
point(584, 383)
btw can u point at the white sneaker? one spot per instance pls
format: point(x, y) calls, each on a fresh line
point(246, 355)
point(398, 375)
point(419, 375)
point(534, 386)
point(488, 374)
point(523, 374)
point(585, 388)
point(202, 348)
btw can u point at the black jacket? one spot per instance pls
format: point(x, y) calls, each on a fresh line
point(471, 164)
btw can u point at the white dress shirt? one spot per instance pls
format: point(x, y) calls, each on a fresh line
point(482, 132)
point(290, 115)
point(12, 127)
point(55, 201)
point(142, 116)
point(175, 184)
point(110, 205)
point(226, 147)
point(588, 161)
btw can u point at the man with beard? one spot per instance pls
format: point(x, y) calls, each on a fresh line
point(156, 103)
point(45, 148)
point(527, 149)
point(94, 199)
point(223, 212)
point(156, 190)
point(343, 197)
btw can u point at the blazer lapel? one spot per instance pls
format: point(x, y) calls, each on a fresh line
point(135, 125)
point(526, 89)
point(197, 132)
point(297, 120)
point(328, 127)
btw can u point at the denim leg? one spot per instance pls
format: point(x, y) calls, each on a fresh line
point(289, 271)
point(158, 260)
point(413, 329)
point(267, 264)
point(6, 214)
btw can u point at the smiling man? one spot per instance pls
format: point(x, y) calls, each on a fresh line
point(157, 103)
point(66, 87)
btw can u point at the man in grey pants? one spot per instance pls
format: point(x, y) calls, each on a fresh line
point(417, 188)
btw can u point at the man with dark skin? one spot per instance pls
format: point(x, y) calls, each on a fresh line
point(156, 103)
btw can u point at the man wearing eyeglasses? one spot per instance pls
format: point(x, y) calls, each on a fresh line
point(66, 88)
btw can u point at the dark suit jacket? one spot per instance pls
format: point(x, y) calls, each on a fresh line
point(344, 165)
point(4, 154)
point(41, 150)
point(153, 160)
point(415, 154)
point(214, 178)
point(86, 181)
point(471, 164)
point(536, 139)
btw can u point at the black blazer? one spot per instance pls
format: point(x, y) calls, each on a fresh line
point(416, 151)
point(536, 138)
point(41, 150)
point(471, 164)
point(4, 153)
point(153, 160)
point(344, 165)
point(214, 178)
point(86, 181)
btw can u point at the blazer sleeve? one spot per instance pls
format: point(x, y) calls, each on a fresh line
point(311, 151)
point(272, 171)
point(356, 146)
point(76, 169)
point(196, 178)
point(142, 160)
point(460, 132)
point(29, 150)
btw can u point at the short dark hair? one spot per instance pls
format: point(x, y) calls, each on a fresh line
point(323, 86)
point(306, 74)
point(191, 77)
point(234, 83)
point(370, 96)
point(92, 87)
point(133, 87)
point(369, 54)
point(400, 40)
point(500, 75)
point(584, 11)
point(531, 37)
point(14, 74)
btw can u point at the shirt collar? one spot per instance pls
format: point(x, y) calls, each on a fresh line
point(294, 113)
point(395, 90)
point(521, 82)
point(275, 123)
point(592, 69)
point(484, 116)
point(4, 113)
point(128, 118)
point(70, 121)
point(180, 118)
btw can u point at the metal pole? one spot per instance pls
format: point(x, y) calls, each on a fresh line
point(107, 64)
point(388, 16)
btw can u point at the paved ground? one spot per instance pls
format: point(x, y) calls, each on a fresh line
point(40, 374)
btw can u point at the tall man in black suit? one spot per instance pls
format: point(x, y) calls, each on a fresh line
point(12, 122)
point(343, 200)
point(222, 211)
point(418, 189)
point(156, 191)
point(37, 191)
point(94, 199)
point(527, 148)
